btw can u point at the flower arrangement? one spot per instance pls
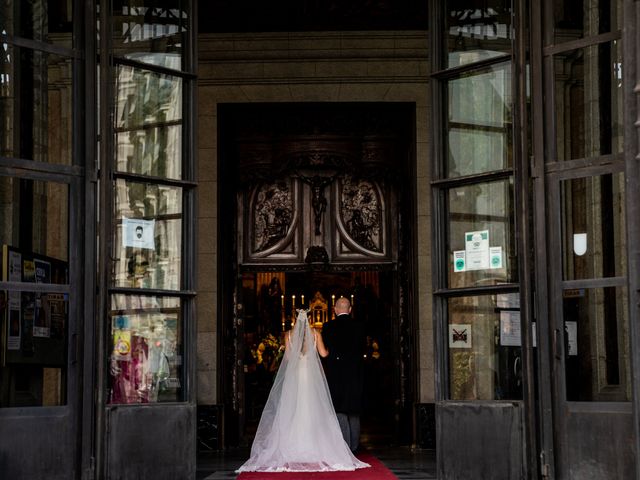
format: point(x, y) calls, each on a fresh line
point(268, 353)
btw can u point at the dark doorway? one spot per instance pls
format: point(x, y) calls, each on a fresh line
point(314, 203)
point(269, 299)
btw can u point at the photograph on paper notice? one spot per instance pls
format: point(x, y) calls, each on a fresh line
point(138, 233)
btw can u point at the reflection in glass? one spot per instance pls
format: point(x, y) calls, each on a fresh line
point(34, 353)
point(588, 94)
point(41, 20)
point(149, 123)
point(479, 127)
point(146, 350)
point(573, 20)
point(596, 344)
point(150, 31)
point(594, 206)
point(33, 325)
point(481, 234)
point(477, 30)
point(148, 240)
point(36, 94)
point(35, 216)
point(485, 347)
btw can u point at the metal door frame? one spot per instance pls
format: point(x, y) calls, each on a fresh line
point(631, 72)
point(163, 419)
point(80, 177)
point(546, 178)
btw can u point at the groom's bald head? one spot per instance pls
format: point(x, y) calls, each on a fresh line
point(342, 306)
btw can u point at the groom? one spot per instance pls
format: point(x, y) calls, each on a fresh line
point(344, 340)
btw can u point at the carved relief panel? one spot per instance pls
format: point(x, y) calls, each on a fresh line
point(300, 220)
point(362, 220)
point(318, 185)
point(271, 221)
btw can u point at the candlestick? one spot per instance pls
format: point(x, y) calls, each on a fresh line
point(333, 303)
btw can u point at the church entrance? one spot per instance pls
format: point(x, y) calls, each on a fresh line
point(313, 211)
point(269, 300)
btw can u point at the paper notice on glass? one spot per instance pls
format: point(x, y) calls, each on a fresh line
point(460, 335)
point(122, 345)
point(495, 257)
point(510, 334)
point(571, 331)
point(477, 250)
point(138, 233)
point(459, 260)
point(508, 300)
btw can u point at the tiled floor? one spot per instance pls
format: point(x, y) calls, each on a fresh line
point(405, 463)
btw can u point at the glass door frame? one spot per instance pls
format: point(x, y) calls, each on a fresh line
point(109, 62)
point(631, 98)
point(546, 178)
point(80, 178)
point(519, 59)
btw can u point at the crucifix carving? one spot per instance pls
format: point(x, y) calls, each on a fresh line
point(318, 200)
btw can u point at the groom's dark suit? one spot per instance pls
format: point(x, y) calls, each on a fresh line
point(344, 368)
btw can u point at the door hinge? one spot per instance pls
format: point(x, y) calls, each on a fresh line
point(544, 466)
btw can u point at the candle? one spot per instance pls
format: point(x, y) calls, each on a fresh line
point(352, 300)
point(333, 302)
point(302, 300)
point(282, 299)
point(293, 302)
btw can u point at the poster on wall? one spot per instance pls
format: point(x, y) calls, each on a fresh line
point(460, 335)
point(138, 233)
point(36, 321)
point(55, 305)
point(14, 324)
point(42, 318)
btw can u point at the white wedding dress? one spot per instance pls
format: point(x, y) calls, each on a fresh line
point(298, 430)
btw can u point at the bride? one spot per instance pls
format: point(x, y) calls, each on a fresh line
point(298, 430)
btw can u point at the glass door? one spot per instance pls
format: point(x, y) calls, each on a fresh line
point(46, 274)
point(581, 226)
point(148, 239)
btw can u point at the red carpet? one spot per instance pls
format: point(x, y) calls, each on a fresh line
point(377, 472)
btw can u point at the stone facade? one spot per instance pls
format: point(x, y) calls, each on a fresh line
point(308, 67)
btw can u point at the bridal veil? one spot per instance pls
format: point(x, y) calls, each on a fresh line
point(298, 430)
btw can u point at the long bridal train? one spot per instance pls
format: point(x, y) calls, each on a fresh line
point(298, 430)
